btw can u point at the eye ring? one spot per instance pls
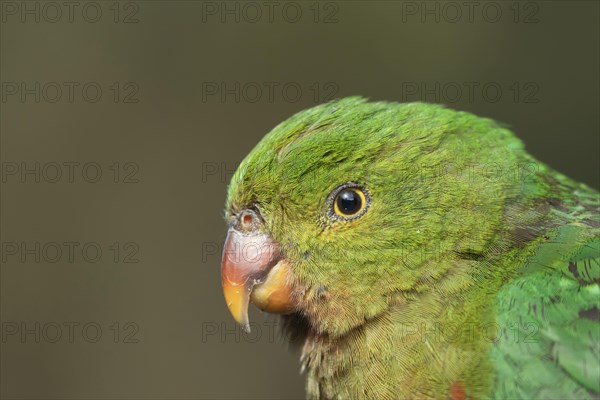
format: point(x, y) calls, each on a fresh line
point(348, 202)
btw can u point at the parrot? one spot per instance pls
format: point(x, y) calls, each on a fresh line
point(419, 252)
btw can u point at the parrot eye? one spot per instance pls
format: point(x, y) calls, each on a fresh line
point(348, 201)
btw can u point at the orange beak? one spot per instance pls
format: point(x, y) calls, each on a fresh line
point(253, 268)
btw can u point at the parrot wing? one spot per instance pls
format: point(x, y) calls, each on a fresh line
point(548, 342)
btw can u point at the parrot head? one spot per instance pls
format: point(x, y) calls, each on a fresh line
point(350, 207)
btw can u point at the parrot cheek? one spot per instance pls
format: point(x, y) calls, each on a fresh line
point(253, 268)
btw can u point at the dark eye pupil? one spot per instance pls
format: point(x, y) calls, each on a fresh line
point(349, 202)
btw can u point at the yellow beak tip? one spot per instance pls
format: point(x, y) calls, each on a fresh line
point(237, 302)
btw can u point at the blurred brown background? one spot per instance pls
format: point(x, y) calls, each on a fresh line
point(111, 283)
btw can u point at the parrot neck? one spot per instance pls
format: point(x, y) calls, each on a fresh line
point(401, 350)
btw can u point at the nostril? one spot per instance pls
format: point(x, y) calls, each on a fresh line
point(247, 220)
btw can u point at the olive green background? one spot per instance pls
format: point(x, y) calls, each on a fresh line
point(185, 143)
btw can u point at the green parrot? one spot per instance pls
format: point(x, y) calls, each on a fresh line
point(420, 253)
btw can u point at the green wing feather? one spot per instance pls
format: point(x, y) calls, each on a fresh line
point(549, 343)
